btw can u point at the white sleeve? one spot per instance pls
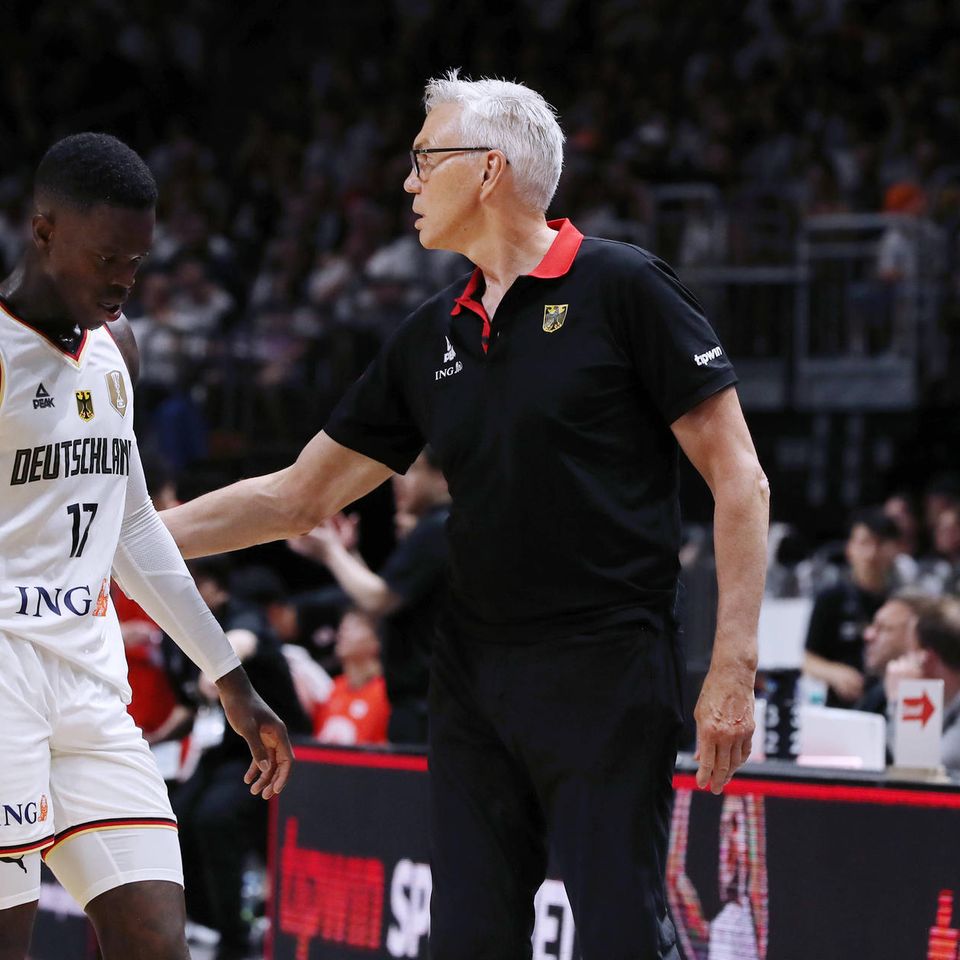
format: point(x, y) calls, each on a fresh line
point(150, 570)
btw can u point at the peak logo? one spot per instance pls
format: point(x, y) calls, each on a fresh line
point(702, 359)
point(42, 399)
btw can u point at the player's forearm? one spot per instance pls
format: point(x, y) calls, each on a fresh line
point(367, 590)
point(741, 519)
point(149, 568)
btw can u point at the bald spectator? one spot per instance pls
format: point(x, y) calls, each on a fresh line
point(891, 634)
point(937, 658)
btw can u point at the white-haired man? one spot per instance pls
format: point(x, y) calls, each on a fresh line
point(555, 384)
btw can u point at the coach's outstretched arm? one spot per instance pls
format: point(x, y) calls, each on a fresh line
point(715, 437)
point(325, 478)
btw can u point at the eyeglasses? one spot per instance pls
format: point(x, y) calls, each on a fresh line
point(424, 174)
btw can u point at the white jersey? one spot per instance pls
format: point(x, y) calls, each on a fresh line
point(66, 442)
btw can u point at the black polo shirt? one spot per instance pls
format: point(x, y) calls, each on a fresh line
point(552, 426)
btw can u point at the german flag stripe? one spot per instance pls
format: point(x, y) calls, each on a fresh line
point(17, 849)
point(124, 823)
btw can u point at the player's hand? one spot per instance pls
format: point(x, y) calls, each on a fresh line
point(264, 731)
point(846, 681)
point(724, 715)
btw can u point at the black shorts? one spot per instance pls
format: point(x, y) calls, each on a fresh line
point(570, 744)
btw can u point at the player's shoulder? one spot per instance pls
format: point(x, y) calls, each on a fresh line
point(122, 334)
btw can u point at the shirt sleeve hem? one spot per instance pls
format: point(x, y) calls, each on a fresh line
point(364, 445)
point(727, 379)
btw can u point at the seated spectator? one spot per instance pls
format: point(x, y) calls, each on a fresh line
point(892, 634)
point(221, 824)
point(897, 253)
point(200, 304)
point(937, 658)
point(941, 491)
point(901, 508)
point(358, 710)
point(940, 572)
point(407, 592)
point(834, 647)
point(266, 593)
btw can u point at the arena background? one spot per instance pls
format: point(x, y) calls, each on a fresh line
point(796, 162)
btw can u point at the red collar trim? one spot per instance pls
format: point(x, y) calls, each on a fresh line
point(466, 298)
point(75, 356)
point(559, 258)
point(556, 262)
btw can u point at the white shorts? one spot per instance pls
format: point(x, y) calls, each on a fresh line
point(73, 761)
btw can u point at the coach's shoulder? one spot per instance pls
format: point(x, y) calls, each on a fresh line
point(617, 255)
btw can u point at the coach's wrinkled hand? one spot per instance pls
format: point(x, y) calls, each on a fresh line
point(724, 715)
point(264, 731)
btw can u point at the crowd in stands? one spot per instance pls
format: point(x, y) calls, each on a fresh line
point(886, 606)
point(285, 254)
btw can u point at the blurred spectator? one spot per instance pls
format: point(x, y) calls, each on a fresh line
point(167, 348)
point(940, 572)
point(938, 658)
point(407, 592)
point(898, 251)
point(358, 710)
point(221, 824)
point(901, 508)
point(834, 646)
point(941, 491)
point(891, 634)
point(200, 305)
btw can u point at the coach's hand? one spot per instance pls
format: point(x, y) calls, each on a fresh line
point(264, 731)
point(724, 715)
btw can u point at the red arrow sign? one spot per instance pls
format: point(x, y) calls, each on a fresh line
point(923, 705)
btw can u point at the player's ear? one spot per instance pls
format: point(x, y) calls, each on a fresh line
point(42, 231)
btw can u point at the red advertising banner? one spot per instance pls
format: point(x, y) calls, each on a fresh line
point(778, 868)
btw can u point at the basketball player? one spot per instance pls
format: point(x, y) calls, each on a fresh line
point(79, 783)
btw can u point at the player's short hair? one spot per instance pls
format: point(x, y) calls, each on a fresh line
point(87, 169)
point(512, 118)
point(938, 630)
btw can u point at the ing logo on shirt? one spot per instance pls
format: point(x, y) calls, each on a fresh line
point(85, 405)
point(553, 316)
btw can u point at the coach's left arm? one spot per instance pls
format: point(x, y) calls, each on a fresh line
point(715, 437)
